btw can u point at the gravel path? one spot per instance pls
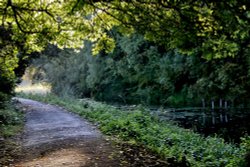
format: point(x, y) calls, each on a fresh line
point(54, 137)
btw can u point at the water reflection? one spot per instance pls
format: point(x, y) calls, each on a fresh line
point(228, 124)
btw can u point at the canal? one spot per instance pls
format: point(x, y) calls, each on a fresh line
point(230, 124)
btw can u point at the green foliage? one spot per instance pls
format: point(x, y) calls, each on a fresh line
point(6, 88)
point(8, 62)
point(169, 141)
point(11, 121)
point(245, 143)
point(12, 64)
point(215, 29)
point(139, 71)
point(202, 29)
point(57, 70)
point(28, 26)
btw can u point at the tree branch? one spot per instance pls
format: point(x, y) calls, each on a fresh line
point(17, 15)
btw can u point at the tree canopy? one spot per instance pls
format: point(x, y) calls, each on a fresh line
point(214, 28)
point(208, 29)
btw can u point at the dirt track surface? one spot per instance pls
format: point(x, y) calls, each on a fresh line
point(54, 137)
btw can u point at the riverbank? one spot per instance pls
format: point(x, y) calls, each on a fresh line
point(176, 145)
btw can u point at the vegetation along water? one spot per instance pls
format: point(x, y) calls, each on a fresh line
point(169, 54)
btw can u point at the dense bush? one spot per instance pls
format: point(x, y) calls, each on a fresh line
point(138, 71)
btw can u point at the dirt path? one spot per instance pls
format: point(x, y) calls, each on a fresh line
point(54, 137)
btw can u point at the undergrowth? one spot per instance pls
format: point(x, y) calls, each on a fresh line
point(11, 121)
point(172, 143)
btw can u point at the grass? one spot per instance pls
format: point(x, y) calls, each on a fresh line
point(172, 143)
point(10, 130)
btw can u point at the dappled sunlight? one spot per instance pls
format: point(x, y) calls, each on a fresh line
point(34, 89)
point(64, 157)
point(26, 86)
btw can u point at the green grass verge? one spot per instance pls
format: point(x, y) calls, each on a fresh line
point(171, 142)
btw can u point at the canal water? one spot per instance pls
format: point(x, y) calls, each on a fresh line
point(228, 124)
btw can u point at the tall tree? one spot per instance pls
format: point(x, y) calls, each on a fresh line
point(28, 26)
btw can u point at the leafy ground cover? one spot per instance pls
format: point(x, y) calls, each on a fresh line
point(138, 128)
point(11, 123)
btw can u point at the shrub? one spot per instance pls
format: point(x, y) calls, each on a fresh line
point(11, 120)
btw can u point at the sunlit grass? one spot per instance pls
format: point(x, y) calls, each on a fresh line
point(33, 88)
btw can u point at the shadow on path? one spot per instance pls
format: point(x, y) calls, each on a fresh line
point(54, 137)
